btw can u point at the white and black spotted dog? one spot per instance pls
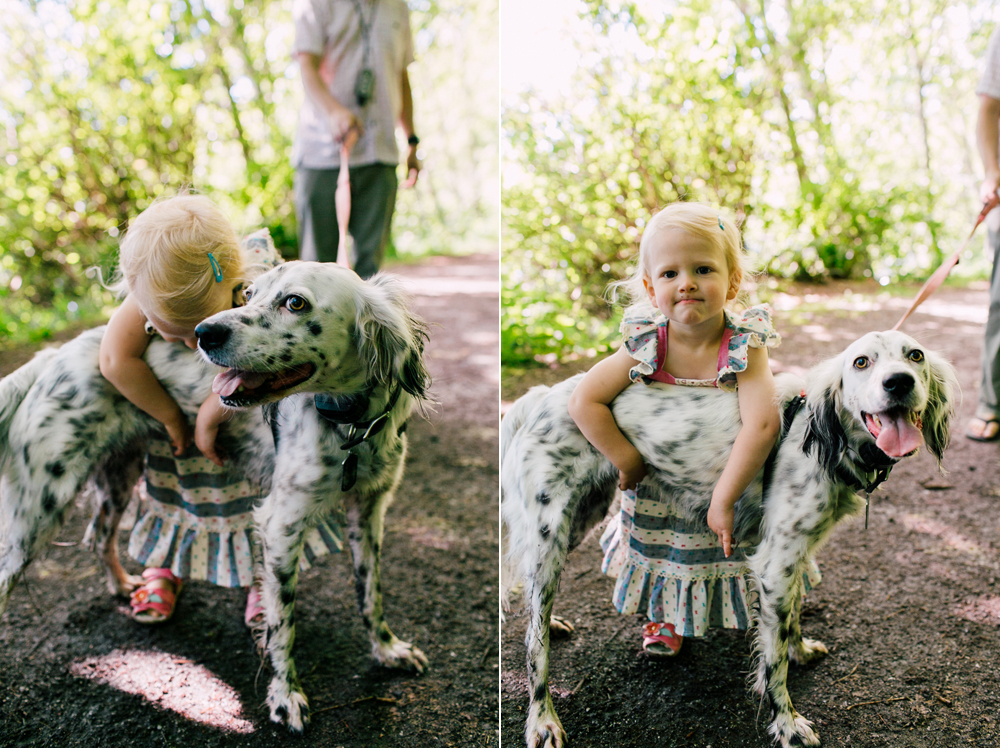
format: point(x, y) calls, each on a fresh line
point(306, 328)
point(861, 412)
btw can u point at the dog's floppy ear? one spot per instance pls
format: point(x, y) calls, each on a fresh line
point(390, 339)
point(942, 392)
point(823, 405)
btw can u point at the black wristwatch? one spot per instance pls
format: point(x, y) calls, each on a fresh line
point(413, 140)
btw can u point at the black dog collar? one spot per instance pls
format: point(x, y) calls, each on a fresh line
point(349, 410)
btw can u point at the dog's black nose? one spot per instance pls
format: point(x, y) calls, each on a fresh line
point(211, 336)
point(898, 384)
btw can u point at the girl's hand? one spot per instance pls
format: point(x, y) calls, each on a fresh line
point(210, 415)
point(631, 473)
point(179, 433)
point(720, 520)
point(204, 438)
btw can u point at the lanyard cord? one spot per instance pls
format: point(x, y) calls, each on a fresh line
point(366, 31)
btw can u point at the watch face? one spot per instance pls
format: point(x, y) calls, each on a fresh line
point(364, 86)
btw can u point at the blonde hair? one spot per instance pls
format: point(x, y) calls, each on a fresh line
point(702, 220)
point(164, 262)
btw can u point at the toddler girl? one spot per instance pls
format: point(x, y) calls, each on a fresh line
point(181, 262)
point(690, 265)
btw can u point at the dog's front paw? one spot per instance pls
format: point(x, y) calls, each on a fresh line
point(807, 651)
point(544, 730)
point(560, 627)
point(793, 730)
point(289, 707)
point(400, 654)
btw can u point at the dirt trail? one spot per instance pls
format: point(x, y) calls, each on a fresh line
point(910, 608)
point(76, 672)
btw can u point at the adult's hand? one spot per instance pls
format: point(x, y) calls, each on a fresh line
point(988, 188)
point(412, 168)
point(345, 127)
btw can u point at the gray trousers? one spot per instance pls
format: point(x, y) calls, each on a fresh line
point(373, 199)
point(989, 387)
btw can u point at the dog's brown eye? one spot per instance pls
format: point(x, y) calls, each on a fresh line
point(247, 293)
point(861, 362)
point(295, 303)
point(916, 356)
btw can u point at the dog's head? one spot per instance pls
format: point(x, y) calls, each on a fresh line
point(885, 390)
point(315, 327)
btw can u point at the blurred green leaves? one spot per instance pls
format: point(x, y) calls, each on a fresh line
point(107, 104)
point(840, 132)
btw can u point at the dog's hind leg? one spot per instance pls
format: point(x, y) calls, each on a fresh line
point(113, 482)
point(543, 729)
point(801, 650)
point(280, 529)
point(364, 533)
point(778, 577)
point(27, 525)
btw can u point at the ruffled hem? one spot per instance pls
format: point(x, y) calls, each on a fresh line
point(224, 558)
point(692, 598)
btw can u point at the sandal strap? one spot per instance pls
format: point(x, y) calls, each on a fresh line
point(651, 635)
point(160, 573)
point(254, 608)
point(162, 601)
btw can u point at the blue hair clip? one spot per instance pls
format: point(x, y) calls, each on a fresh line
point(215, 268)
point(720, 225)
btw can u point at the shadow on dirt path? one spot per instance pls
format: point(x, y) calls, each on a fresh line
point(910, 608)
point(77, 672)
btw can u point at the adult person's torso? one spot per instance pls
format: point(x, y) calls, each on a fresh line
point(346, 28)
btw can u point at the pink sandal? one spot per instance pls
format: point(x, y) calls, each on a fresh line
point(254, 614)
point(656, 644)
point(159, 601)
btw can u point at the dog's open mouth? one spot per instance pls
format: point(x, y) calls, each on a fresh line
point(237, 387)
point(896, 431)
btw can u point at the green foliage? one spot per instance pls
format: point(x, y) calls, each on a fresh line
point(107, 104)
point(839, 132)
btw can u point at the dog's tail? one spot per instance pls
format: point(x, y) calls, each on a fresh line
point(14, 388)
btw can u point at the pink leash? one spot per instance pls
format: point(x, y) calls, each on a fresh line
point(342, 199)
point(942, 272)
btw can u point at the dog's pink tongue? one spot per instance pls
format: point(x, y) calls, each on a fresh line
point(225, 384)
point(898, 436)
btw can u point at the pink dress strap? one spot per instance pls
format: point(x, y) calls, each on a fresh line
point(661, 375)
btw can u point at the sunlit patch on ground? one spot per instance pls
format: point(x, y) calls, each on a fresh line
point(867, 302)
point(953, 539)
point(441, 286)
point(431, 538)
point(981, 610)
point(170, 682)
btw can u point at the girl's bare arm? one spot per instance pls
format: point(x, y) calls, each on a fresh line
point(210, 416)
point(761, 425)
point(124, 343)
point(588, 406)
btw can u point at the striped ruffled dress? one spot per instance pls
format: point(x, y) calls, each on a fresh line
point(671, 570)
point(668, 568)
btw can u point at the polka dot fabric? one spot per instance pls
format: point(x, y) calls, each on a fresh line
point(672, 570)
